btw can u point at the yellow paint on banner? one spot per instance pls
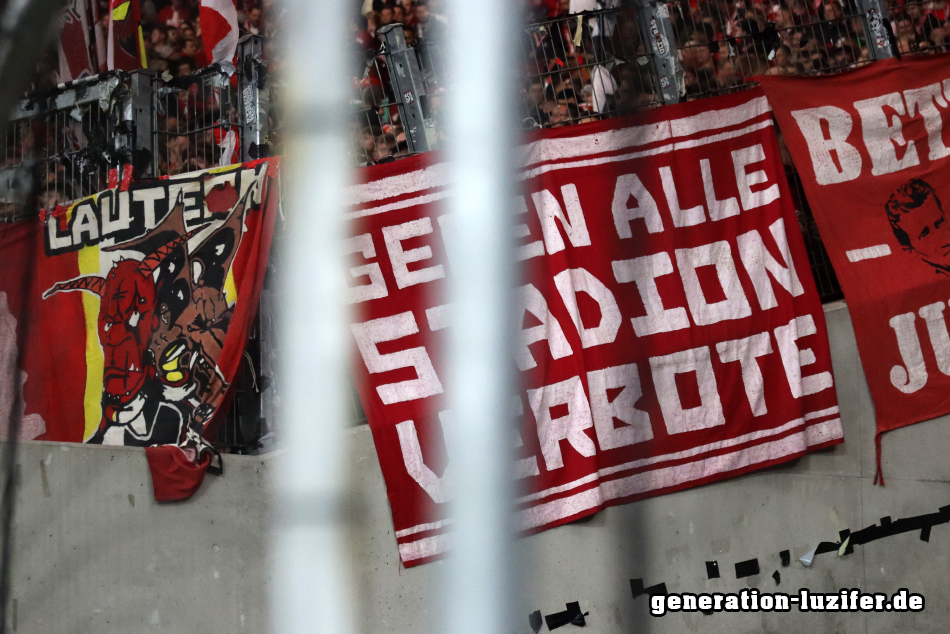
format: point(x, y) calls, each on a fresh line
point(142, 58)
point(119, 13)
point(95, 361)
point(230, 288)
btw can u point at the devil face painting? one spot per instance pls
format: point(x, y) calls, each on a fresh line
point(162, 323)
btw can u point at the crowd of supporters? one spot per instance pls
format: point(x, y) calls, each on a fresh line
point(575, 69)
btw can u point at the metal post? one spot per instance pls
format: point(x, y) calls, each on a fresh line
point(252, 103)
point(655, 28)
point(144, 118)
point(406, 78)
point(481, 118)
point(876, 28)
point(312, 590)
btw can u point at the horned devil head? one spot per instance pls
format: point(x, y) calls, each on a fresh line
point(126, 311)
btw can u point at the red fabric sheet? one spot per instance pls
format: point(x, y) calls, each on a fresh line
point(134, 306)
point(659, 349)
point(870, 149)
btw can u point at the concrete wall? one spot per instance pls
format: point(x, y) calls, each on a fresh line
point(96, 554)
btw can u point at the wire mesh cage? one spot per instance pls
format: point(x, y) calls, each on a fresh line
point(53, 155)
point(585, 67)
point(919, 27)
point(197, 124)
point(723, 45)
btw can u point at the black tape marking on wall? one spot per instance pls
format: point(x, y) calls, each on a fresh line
point(534, 620)
point(747, 568)
point(786, 558)
point(572, 615)
point(777, 576)
point(637, 589)
point(712, 569)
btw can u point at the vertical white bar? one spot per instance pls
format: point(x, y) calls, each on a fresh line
point(481, 103)
point(311, 577)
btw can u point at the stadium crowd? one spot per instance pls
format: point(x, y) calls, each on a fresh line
point(575, 70)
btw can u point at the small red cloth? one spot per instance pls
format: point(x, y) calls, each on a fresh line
point(175, 474)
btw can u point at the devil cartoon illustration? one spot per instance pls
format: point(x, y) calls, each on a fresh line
point(162, 323)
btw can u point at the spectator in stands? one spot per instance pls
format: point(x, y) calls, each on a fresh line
point(158, 39)
point(177, 12)
point(255, 22)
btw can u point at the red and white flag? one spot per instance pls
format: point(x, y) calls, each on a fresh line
point(219, 30)
point(126, 50)
point(75, 60)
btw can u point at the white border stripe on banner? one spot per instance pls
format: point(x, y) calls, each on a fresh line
point(868, 253)
point(608, 141)
point(643, 482)
point(663, 149)
point(716, 119)
point(425, 547)
point(671, 476)
point(433, 176)
point(402, 204)
point(688, 453)
point(821, 413)
point(431, 526)
point(545, 150)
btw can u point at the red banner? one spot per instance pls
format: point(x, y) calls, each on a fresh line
point(869, 146)
point(132, 306)
point(670, 336)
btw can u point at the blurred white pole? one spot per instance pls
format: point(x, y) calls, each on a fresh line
point(311, 577)
point(480, 105)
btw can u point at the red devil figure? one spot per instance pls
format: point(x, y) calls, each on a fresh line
point(126, 314)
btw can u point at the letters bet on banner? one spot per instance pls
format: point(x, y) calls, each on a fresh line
point(870, 149)
point(670, 331)
point(132, 307)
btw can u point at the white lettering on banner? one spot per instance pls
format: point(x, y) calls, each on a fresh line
point(370, 333)
point(85, 221)
point(524, 467)
point(630, 185)
point(439, 488)
point(187, 195)
point(573, 281)
point(718, 209)
point(400, 258)
point(569, 427)
point(939, 338)
point(532, 249)
point(925, 100)
point(123, 218)
point(758, 263)
point(913, 374)
point(883, 131)
point(531, 300)
point(148, 197)
point(820, 149)
point(644, 271)
point(746, 352)
point(681, 217)
point(719, 254)
point(678, 420)
point(55, 241)
point(438, 317)
point(363, 244)
point(741, 159)
point(574, 224)
point(794, 359)
point(637, 427)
